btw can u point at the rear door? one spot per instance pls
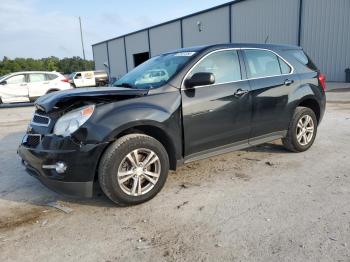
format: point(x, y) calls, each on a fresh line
point(37, 84)
point(216, 115)
point(272, 80)
point(15, 89)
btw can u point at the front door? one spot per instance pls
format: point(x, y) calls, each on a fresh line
point(14, 89)
point(78, 80)
point(218, 115)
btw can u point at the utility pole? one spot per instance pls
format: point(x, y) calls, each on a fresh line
point(81, 37)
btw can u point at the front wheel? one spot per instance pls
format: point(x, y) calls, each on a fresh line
point(302, 130)
point(133, 169)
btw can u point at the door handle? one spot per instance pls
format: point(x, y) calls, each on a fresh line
point(45, 83)
point(23, 85)
point(288, 82)
point(240, 92)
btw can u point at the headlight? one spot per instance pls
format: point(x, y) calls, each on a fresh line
point(70, 122)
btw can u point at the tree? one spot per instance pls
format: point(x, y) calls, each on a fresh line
point(65, 65)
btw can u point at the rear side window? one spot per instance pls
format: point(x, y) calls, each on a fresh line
point(224, 65)
point(51, 76)
point(36, 78)
point(263, 63)
point(301, 57)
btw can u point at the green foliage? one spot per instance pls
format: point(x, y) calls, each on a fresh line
point(65, 65)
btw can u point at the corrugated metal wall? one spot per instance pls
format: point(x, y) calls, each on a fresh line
point(255, 20)
point(214, 28)
point(100, 56)
point(325, 27)
point(325, 35)
point(135, 43)
point(165, 38)
point(117, 61)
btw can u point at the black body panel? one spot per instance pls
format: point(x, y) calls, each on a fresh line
point(215, 118)
point(48, 102)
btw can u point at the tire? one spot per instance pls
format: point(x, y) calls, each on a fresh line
point(115, 163)
point(292, 142)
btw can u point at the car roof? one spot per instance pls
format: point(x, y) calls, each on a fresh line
point(236, 45)
point(36, 72)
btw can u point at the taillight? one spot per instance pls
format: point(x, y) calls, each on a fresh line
point(322, 80)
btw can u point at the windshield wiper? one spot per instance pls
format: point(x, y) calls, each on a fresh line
point(127, 85)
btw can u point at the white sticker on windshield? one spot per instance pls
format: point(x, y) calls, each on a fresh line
point(185, 54)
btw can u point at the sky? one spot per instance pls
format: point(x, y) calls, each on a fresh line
point(43, 28)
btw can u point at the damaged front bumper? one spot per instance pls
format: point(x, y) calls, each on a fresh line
point(62, 164)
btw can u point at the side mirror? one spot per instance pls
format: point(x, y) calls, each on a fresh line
point(200, 79)
point(3, 83)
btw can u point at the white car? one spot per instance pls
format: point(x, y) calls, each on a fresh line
point(28, 86)
point(153, 76)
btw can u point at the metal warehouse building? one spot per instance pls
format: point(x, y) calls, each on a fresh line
point(321, 27)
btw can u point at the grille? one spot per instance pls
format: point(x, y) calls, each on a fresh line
point(33, 140)
point(40, 120)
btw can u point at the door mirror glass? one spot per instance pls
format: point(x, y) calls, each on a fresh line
point(3, 83)
point(200, 79)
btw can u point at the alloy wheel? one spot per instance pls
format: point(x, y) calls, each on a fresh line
point(139, 172)
point(305, 130)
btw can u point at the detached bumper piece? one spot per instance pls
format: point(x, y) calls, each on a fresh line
point(61, 164)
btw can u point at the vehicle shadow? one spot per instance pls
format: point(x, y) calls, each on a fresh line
point(13, 105)
point(272, 147)
point(18, 186)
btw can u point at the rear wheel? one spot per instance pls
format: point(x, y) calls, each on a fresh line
point(133, 169)
point(302, 130)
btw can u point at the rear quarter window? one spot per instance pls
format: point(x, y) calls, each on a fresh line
point(51, 76)
point(302, 58)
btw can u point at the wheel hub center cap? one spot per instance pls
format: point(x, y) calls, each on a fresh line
point(139, 171)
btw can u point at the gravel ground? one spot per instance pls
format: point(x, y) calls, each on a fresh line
point(261, 204)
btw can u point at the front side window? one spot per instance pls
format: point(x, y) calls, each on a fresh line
point(224, 65)
point(263, 63)
point(33, 78)
point(18, 79)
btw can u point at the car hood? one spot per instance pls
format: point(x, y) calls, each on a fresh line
point(60, 99)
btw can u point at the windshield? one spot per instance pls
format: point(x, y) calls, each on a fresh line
point(3, 77)
point(155, 72)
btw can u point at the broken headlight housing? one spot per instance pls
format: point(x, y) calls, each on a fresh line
point(70, 122)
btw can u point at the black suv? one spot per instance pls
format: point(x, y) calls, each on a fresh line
point(175, 108)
